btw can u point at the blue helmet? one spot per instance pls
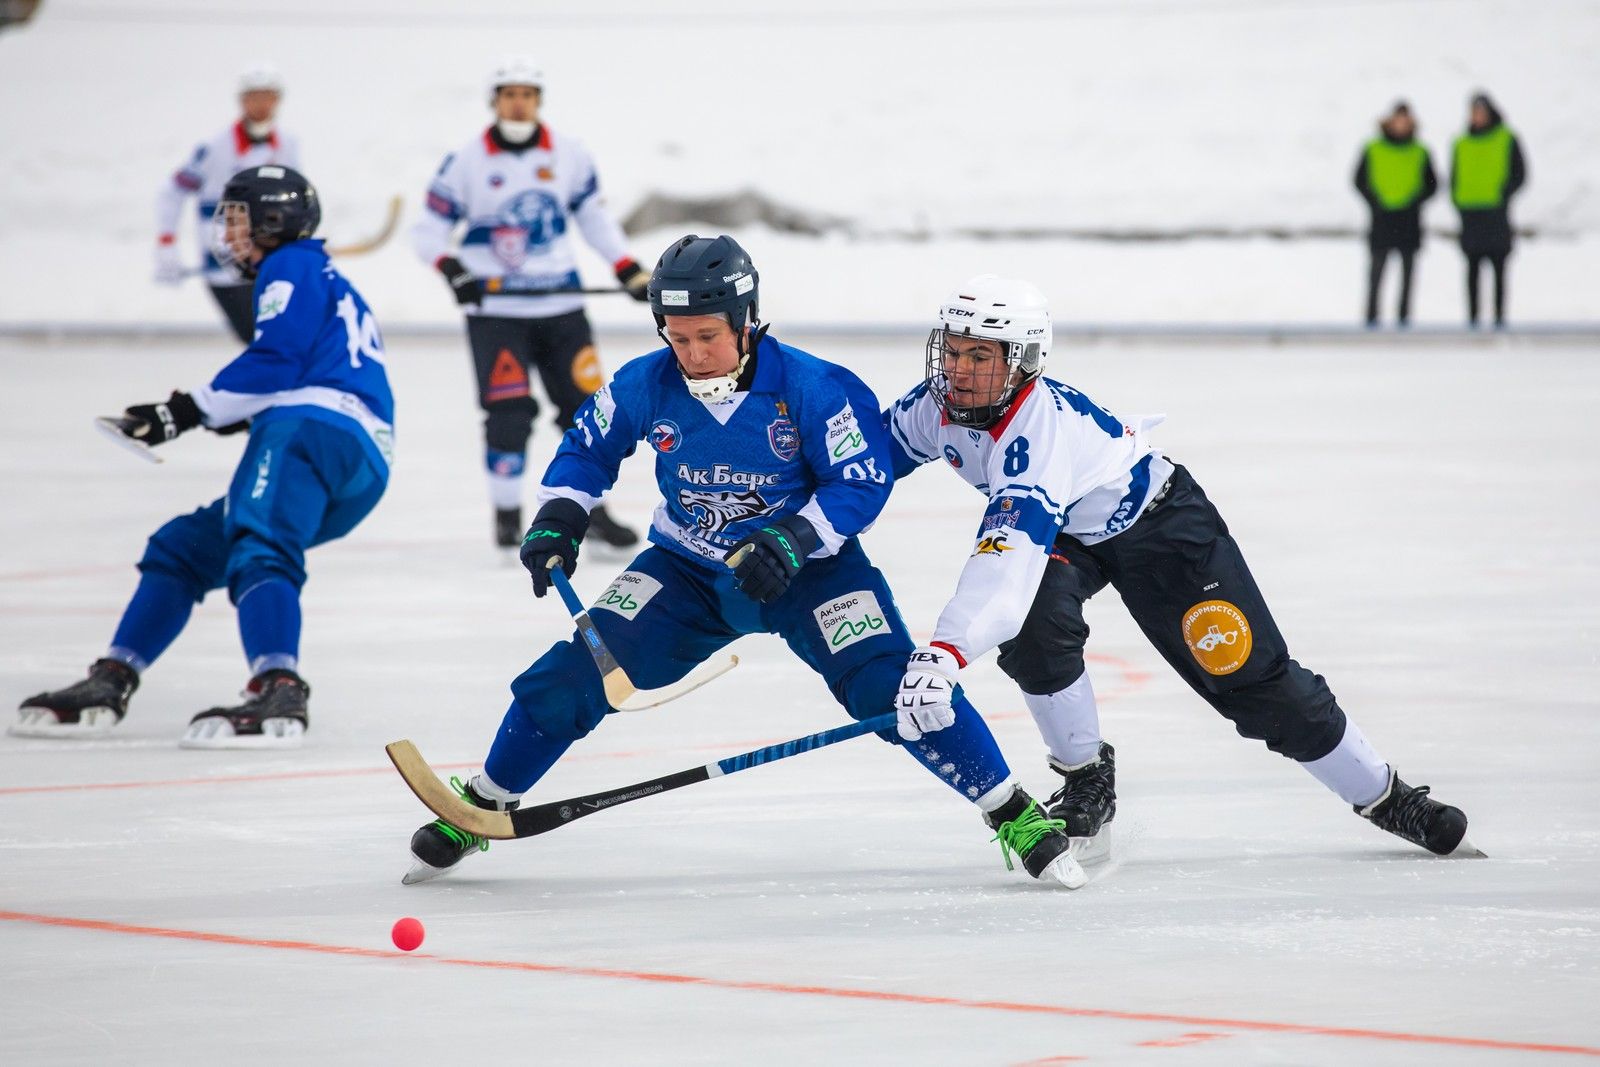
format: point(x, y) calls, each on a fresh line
point(706, 276)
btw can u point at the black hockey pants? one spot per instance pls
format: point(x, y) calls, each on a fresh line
point(1187, 585)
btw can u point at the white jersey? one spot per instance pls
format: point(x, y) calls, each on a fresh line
point(206, 174)
point(1056, 463)
point(517, 207)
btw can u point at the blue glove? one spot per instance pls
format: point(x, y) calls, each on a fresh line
point(556, 532)
point(776, 552)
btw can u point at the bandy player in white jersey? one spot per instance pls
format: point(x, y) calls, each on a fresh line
point(1078, 499)
point(514, 192)
point(253, 141)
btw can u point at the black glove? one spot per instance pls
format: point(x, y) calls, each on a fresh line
point(156, 424)
point(468, 290)
point(777, 552)
point(555, 535)
point(635, 279)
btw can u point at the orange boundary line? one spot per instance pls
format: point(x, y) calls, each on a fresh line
point(838, 992)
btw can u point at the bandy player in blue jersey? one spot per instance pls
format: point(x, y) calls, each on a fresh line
point(313, 390)
point(761, 446)
point(1078, 500)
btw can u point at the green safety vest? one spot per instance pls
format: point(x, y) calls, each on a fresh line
point(1482, 165)
point(1394, 172)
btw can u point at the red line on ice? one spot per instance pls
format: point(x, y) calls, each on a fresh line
point(838, 992)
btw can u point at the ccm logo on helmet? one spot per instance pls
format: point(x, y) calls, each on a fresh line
point(960, 313)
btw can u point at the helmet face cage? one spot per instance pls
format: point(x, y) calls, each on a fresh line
point(1022, 364)
point(232, 238)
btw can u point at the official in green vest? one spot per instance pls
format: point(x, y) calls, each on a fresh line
point(1486, 170)
point(1395, 177)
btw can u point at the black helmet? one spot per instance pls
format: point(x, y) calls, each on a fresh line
point(706, 276)
point(282, 205)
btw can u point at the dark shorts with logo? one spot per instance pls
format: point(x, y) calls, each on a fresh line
point(1186, 584)
point(505, 351)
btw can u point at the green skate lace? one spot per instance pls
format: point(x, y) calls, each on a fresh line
point(1022, 833)
point(462, 839)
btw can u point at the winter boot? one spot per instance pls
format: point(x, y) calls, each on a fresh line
point(1087, 800)
point(438, 846)
point(89, 708)
point(508, 527)
point(273, 715)
point(609, 531)
point(1408, 812)
point(1040, 843)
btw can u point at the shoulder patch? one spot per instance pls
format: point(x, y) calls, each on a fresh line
point(274, 300)
point(844, 437)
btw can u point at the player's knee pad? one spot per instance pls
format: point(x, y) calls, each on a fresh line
point(561, 693)
point(191, 549)
point(254, 559)
point(871, 688)
point(1289, 708)
point(1044, 660)
point(507, 424)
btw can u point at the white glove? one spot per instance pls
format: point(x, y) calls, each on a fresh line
point(923, 704)
point(169, 264)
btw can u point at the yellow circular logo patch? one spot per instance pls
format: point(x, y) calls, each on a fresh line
point(586, 373)
point(1218, 636)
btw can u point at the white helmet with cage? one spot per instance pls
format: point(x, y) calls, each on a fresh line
point(515, 70)
point(1009, 311)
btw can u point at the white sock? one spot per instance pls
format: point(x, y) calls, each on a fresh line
point(505, 490)
point(486, 788)
point(1353, 769)
point(996, 798)
point(1069, 721)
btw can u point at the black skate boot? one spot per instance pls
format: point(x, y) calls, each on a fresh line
point(508, 527)
point(438, 846)
point(1408, 812)
point(608, 530)
point(1040, 843)
point(89, 708)
point(1087, 800)
point(274, 715)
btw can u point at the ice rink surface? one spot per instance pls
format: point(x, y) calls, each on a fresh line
point(1421, 519)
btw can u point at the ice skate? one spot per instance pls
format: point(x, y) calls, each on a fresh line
point(1410, 813)
point(438, 846)
point(86, 709)
point(1086, 803)
point(508, 528)
point(1041, 843)
point(608, 531)
point(274, 715)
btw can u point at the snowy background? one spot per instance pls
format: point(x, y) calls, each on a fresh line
point(919, 124)
point(1421, 518)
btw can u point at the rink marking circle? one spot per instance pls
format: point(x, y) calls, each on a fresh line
point(839, 992)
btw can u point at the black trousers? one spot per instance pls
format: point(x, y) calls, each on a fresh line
point(1187, 585)
point(505, 350)
point(1380, 257)
point(1497, 262)
point(239, 305)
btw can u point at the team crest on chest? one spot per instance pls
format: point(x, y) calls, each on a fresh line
point(510, 245)
point(496, 181)
point(783, 436)
point(952, 456)
point(665, 436)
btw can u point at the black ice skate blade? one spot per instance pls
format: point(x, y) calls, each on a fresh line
point(117, 427)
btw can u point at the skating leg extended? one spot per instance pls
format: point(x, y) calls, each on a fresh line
point(1411, 814)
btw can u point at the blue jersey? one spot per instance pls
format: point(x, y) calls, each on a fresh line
point(805, 439)
point(317, 354)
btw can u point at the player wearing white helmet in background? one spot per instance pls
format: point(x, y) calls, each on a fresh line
point(512, 193)
point(253, 140)
point(1079, 499)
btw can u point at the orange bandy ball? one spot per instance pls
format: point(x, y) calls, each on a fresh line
point(407, 934)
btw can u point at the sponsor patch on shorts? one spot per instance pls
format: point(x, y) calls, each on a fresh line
point(1218, 636)
point(628, 595)
point(851, 618)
